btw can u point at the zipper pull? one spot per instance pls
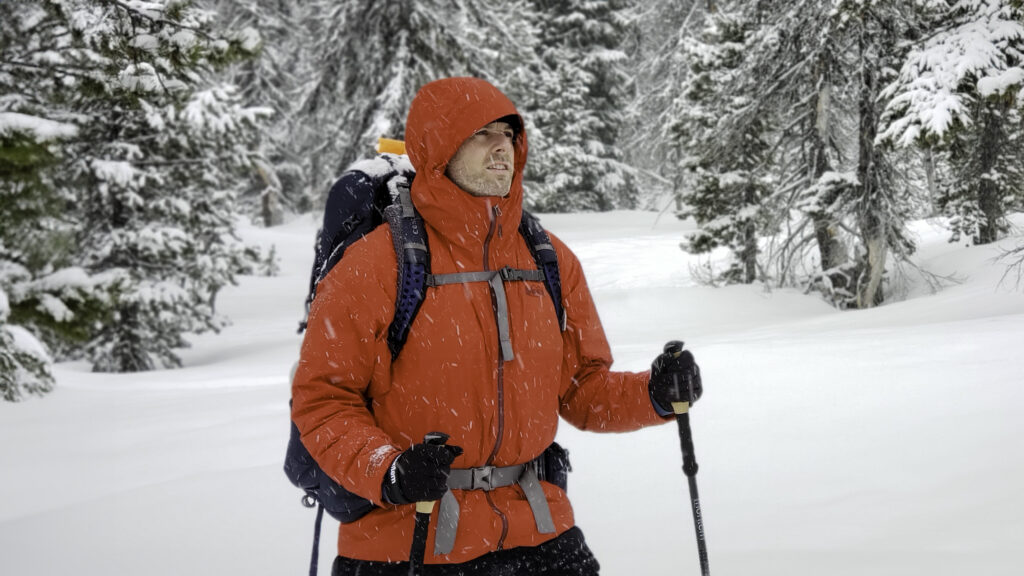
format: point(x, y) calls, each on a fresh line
point(497, 213)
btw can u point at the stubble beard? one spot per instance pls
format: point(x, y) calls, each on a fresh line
point(488, 187)
point(483, 185)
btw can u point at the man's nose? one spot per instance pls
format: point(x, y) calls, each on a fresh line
point(501, 142)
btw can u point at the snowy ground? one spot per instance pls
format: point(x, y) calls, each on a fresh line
point(878, 442)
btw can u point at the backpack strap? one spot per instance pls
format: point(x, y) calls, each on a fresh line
point(496, 279)
point(410, 240)
point(360, 195)
point(314, 561)
point(547, 261)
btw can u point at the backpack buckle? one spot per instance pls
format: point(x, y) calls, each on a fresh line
point(481, 479)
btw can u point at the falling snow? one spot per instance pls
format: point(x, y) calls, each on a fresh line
point(829, 443)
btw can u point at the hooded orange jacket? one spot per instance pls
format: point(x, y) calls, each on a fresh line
point(357, 410)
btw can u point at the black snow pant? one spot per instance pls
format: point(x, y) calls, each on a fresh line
point(566, 555)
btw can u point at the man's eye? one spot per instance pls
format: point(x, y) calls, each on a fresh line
point(485, 133)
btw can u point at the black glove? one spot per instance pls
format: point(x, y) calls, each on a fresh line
point(420, 474)
point(675, 377)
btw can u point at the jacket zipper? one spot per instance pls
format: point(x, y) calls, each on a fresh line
point(495, 213)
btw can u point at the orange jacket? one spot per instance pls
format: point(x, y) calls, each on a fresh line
point(356, 410)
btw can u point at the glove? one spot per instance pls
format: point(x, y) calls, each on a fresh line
point(675, 377)
point(420, 474)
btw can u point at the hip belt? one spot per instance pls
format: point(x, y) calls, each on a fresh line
point(488, 478)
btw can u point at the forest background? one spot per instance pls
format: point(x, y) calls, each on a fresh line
point(802, 137)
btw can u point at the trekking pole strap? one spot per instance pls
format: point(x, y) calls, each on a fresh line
point(488, 478)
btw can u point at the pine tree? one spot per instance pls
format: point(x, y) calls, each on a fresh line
point(961, 90)
point(578, 164)
point(805, 75)
point(47, 290)
point(152, 173)
point(659, 52)
point(795, 114)
point(24, 363)
point(272, 79)
point(373, 57)
point(728, 144)
point(878, 202)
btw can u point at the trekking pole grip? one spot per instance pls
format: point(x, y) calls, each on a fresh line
point(675, 348)
point(424, 509)
point(434, 439)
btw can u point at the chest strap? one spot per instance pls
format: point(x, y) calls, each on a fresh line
point(488, 478)
point(496, 279)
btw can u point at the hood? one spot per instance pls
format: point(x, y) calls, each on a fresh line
point(442, 115)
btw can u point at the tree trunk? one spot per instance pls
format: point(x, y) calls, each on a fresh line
point(993, 143)
point(270, 198)
point(928, 159)
point(749, 254)
point(830, 248)
point(871, 213)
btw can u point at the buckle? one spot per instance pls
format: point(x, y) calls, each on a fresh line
point(481, 479)
point(506, 273)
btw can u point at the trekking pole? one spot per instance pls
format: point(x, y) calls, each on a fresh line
point(682, 411)
point(418, 552)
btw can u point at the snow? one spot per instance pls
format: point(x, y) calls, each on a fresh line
point(1000, 83)
point(883, 442)
point(40, 128)
point(141, 77)
point(115, 171)
point(146, 42)
point(24, 341)
point(249, 38)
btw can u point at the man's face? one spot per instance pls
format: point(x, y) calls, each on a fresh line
point(484, 164)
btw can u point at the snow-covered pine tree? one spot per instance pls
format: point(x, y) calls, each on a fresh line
point(879, 203)
point(153, 170)
point(800, 64)
point(47, 291)
point(579, 165)
point(272, 78)
point(658, 58)
point(374, 56)
point(961, 89)
point(24, 363)
point(725, 135)
point(508, 56)
point(25, 205)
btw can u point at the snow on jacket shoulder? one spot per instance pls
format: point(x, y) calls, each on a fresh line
point(356, 409)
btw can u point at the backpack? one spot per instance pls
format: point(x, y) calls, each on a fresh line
point(369, 193)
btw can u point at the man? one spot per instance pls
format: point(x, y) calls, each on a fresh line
point(495, 376)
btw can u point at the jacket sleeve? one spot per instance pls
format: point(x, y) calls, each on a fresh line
point(344, 363)
point(592, 396)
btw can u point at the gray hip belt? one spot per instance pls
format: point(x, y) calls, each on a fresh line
point(488, 478)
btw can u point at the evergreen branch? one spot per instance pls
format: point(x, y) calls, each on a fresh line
point(160, 21)
point(69, 69)
point(770, 91)
point(185, 162)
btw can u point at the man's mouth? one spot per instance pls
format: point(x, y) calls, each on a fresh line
point(499, 167)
